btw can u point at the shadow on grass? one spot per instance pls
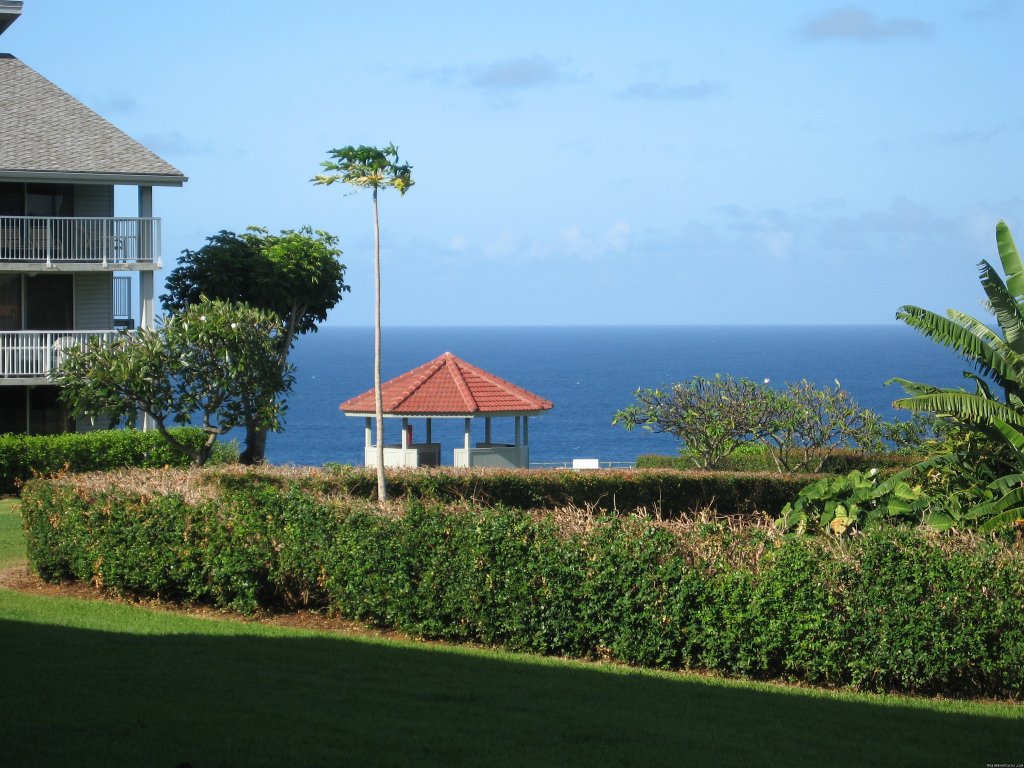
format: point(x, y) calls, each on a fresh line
point(84, 697)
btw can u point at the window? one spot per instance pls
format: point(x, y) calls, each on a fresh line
point(13, 409)
point(36, 199)
point(10, 302)
point(50, 303)
point(12, 199)
point(47, 414)
point(48, 199)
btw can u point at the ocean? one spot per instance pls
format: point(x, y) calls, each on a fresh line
point(589, 373)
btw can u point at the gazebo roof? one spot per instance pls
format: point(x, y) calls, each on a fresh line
point(448, 386)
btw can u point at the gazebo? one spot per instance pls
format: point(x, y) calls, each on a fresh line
point(450, 388)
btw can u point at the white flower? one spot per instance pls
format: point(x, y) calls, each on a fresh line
point(234, 325)
point(202, 318)
point(767, 381)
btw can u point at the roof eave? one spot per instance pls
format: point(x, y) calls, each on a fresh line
point(460, 415)
point(69, 177)
point(10, 10)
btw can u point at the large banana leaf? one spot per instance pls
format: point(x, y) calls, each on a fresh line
point(937, 461)
point(963, 341)
point(964, 406)
point(1010, 259)
point(916, 387)
point(999, 346)
point(982, 386)
point(1011, 435)
point(1007, 483)
point(1003, 511)
point(1004, 306)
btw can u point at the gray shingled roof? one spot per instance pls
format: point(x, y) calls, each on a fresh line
point(46, 131)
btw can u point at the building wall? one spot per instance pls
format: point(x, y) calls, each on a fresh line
point(94, 301)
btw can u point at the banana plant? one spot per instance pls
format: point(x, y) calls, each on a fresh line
point(996, 406)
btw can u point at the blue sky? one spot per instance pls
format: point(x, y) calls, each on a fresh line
point(581, 163)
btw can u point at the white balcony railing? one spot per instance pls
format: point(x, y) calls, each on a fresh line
point(33, 354)
point(105, 240)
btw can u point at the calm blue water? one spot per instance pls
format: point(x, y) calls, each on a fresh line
point(589, 373)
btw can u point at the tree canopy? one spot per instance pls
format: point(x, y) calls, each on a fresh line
point(215, 361)
point(295, 274)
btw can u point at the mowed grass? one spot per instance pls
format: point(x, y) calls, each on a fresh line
point(12, 539)
point(93, 683)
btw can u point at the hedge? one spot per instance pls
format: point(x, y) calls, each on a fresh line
point(893, 610)
point(659, 492)
point(25, 456)
point(839, 462)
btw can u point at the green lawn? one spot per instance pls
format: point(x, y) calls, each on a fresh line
point(91, 683)
point(12, 541)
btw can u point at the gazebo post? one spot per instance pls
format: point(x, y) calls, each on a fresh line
point(518, 421)
point(466, 436)
point(429, 436)
point(367, 433)
point(487, 430)
point(526, 430)
point(405, 433)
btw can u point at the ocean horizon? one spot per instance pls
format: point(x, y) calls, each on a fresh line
point(589, 372)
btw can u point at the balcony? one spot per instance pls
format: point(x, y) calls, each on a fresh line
point(119, 243)
point(33, 354)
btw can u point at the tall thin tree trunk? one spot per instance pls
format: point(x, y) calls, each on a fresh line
point(382, 491)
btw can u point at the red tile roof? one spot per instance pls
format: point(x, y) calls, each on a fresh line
point(448, 386)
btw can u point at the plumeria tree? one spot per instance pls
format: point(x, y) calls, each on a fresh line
point(800, 425)
point(216, 362)
point(372, 168)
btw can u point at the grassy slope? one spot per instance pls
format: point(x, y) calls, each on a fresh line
point(91, 683)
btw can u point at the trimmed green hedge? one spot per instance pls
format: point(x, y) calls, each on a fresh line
point(839, 462)
point(666, 492)
point(25, 456)
point(893, 610)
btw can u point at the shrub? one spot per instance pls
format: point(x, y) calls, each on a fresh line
point(24, 456)
point(758, 459)
point(888, 610)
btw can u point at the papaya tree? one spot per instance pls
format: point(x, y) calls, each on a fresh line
point(371, 168)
